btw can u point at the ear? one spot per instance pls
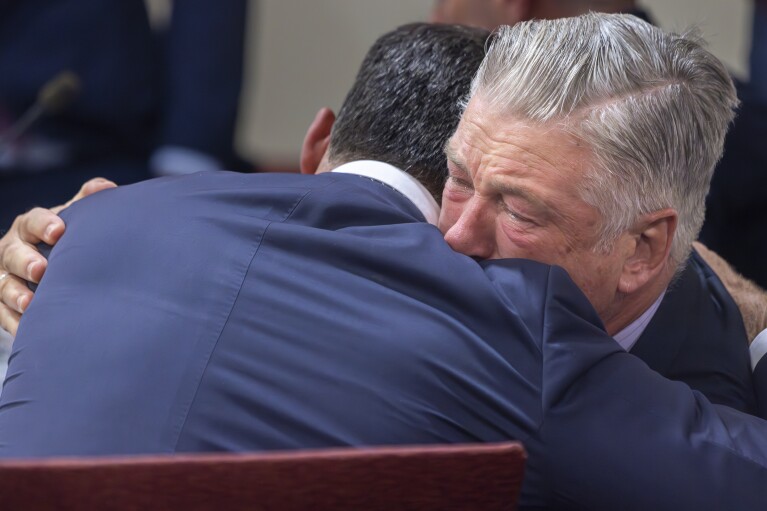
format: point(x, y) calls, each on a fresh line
point(317, 140)
point(648, 256)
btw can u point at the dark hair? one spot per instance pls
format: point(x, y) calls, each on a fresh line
point(404, 104)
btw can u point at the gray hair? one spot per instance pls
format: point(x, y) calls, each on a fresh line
point(653, 107)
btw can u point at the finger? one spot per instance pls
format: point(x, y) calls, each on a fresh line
point(38, 225)
point(95, 185)
point(23, 260)
point(15, 294)
point(9, 320)
point(88, 188)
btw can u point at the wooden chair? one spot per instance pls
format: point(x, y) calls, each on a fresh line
point(471, 477)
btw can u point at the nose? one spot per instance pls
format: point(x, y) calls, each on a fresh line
point(473, 234)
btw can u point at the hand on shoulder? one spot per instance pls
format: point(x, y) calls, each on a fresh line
point(20, 261)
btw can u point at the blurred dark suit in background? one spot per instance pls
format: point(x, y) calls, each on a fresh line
point(142, 93)
point(736, 208)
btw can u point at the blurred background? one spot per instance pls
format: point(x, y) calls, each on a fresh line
point(303, 54)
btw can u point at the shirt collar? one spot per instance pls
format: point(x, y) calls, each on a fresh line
point(404, 183)
point(629, 336)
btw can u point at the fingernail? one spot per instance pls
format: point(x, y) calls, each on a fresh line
point(22, 303)
point(49, 231)
point(31, 267)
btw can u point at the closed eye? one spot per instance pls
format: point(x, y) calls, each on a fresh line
point(516, 216)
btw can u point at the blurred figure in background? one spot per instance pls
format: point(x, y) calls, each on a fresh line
point(758, 55)
point(149, 103)
point(736, 208)
point(491, 14)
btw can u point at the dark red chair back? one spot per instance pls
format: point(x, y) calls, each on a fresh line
point(472, 477)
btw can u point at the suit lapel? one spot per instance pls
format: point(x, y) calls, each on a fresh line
point(666, 333)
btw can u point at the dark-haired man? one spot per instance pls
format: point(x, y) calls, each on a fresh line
point(253, 324)
point(709, 351)
point(270, 312)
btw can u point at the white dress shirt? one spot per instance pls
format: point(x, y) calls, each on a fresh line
point(401, 181)
point(629, 336)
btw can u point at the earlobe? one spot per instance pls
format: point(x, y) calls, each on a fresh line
point(648, 257)
point(317, 141)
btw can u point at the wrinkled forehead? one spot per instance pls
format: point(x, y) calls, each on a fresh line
point(484, 129)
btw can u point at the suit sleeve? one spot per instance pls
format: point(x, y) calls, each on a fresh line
point(616, 435)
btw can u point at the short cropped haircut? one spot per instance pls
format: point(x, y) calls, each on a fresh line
point(405, 101)
point(653, 108)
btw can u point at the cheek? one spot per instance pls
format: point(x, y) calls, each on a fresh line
point(595, 277)
point(515, 239)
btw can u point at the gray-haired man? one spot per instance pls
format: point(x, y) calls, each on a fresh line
point(590, 143)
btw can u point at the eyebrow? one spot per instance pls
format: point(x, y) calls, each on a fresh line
point(453, 157)
point(504, 189)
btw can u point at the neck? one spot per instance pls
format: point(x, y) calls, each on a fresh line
point(626, 308)
point(326, 165)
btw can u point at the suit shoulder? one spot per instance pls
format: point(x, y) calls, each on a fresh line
point(219, 194)
point(543, 294)
point(337, 201)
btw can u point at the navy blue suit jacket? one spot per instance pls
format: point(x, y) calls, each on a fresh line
point(697, 336)
point(247, 312)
